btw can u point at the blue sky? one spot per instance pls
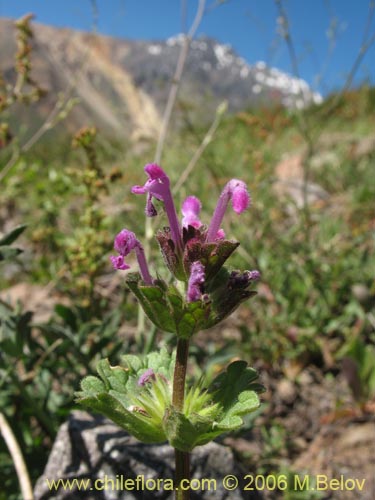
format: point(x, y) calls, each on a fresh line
point(250, 26)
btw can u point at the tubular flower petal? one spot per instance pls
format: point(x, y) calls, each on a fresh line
point(196, 281)
point(125, 242)
point(220, 235)
point(240, 195)
point(158, 186)
point(236, 191)
point(118, 262)
point(190, 211)
point(150, 210)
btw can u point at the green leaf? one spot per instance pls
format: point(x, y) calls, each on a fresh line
point(158, 302)
point(7, 252)
point(92, 385)
point(237, 378)
point(193, 318)
point(10, 237)
point(15, 330)
point(114, 377)
point(209, 413)
point(161, 361)
point(236, 393)
point(134, 423)
point(153, 301)
point(183, 434)
point(132, 362)
point(138, 409)
point(247, 402)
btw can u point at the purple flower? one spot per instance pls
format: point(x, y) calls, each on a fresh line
point(196, 280)
point(220, 235)
point(125, 242)
point(240, 195)
point(118, 262)
point(254, 275)
point(158, 186)
point(236, 191)
point(238, 279)
point(146, 377)
point(191, 208)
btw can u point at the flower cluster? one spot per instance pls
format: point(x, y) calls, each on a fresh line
point(195, 255)
point(148, 396)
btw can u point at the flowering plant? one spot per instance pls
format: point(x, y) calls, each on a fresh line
point(148, 397)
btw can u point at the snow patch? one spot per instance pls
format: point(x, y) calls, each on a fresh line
point(223, 56)
point(244, 72)
point(154, 49)
point(176, 40)
point(317, 98)
point(260, 77)
point(199, 44)
point(260, 65)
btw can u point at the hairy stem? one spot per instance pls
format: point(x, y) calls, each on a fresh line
point(182, 459)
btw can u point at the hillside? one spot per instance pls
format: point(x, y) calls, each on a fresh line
point(122, 85)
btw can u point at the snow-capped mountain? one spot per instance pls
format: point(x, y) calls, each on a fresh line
point(219, 71)
point(122, 85)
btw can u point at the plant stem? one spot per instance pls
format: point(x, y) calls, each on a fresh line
point(182, 458)
point(18, 460)
point(179, 375)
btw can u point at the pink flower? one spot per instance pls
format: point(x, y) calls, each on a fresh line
point(240, 195)
point(146, 377)
point(158, 186)
point(118, 262)
point(236, 191)
point(125, 242)
point(191, 208)
point(196, 280)
point(220, 235)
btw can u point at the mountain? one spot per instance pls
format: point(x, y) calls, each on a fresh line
point(122, 85)
point(216, 72)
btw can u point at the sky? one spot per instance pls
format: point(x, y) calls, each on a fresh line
point(326, 34)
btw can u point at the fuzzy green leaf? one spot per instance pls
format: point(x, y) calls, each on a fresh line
point(92, 385)
point(183, 434)
point(153, 302)
point(207, 414)
point(135, 423)
point(236, 393)
point(138, 409)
